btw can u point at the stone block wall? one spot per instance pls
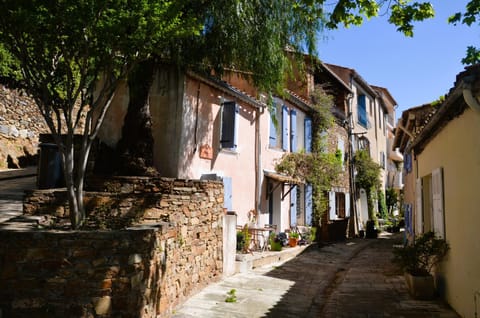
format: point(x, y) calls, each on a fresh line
point(154, 242)
point(20, 126)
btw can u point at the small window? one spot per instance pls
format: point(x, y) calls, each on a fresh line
point(279, 126)
point(273, 127)
point(228, 138)
point(362, 110)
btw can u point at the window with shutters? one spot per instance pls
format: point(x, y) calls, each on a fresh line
point(273, 127)
point(362, 110)
point(279, 127)
point(229, 126)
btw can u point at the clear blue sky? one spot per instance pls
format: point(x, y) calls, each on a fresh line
point(415, 70)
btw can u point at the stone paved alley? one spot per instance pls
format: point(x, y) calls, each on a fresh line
point(347, 279)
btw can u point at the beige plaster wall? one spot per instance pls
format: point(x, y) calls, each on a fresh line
point(457, 150)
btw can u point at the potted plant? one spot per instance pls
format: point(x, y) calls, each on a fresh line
point(275, 243)
point(418, 260)
point(293, 239)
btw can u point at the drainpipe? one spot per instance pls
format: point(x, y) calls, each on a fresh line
point(258, 161)
point(471, 101)
point(351, 167)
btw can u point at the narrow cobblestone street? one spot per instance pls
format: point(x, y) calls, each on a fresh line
point(347, 279)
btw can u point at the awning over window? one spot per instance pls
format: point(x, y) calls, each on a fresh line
point(282, 178)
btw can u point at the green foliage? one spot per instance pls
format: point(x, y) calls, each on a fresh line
point(472, 56)
point(294, 235)
point(402, 13)
point(73, 54)
point(469, 17)
point(319, 168)
point(420, 257)
point(231, 296)
point(247, 238)
point(367, 177)
point(368, 172)
point(9, 67)
point(382, 205)
point(391, 199)
point(240, 241)
point(274, 241)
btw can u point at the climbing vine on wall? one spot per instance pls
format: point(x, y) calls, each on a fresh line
point(367, 177)
point(319, 168)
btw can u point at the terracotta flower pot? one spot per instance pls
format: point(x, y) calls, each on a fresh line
point(292, 241)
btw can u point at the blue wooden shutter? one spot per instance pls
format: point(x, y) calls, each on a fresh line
point(308, 135)
point(273, 128)
point(293, 130)
point(227, 193)
point(229, 125)
point(362, 110)
point(308, 204)
point(293, 207)
point(284, 128)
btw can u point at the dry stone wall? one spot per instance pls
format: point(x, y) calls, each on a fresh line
point(20, 126)
point(145, 267)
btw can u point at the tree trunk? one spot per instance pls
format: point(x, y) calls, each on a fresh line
point(135, 149)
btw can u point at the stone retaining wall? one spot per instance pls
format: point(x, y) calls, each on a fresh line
point(167, 246)
point(20, 126)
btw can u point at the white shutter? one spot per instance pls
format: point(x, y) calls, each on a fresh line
point(331, 204)
point(418, 207)
point(437, 202)
point(347, 205)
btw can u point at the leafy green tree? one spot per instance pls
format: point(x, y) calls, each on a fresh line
point(469, 17)
point(73, 54)
point(391, 199)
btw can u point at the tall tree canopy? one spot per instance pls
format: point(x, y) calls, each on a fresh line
point(71, 54)
point(470, 17)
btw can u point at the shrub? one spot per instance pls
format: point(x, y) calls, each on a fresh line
point(422, 256)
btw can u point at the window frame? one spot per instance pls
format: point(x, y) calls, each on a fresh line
point(229, 108)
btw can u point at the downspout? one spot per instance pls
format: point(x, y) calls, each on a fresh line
point(258, 161)
point(471, 101)
point(351, 167)
point(196, 118)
